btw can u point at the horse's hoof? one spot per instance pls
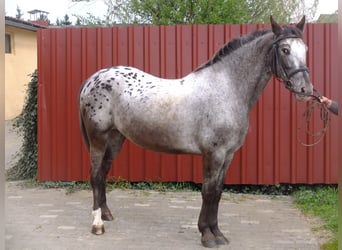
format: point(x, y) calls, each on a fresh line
point(107, 216)
point(98, 230)
point(209, 243)
point(221, 240)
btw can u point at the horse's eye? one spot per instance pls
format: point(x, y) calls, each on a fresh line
point(286, 51)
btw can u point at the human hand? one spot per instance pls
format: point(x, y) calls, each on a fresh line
point(325, 101)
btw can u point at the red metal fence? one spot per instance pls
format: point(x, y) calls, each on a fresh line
point(271, 154)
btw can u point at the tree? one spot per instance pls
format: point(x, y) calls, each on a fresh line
point(65, 21)
point(187, 11)
point(43, 17)
point(284, 11)
point(91, 20)
point(204, 11)
point(19, 14)
point(118, 12)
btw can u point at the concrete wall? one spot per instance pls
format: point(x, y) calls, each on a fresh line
point(18, 65)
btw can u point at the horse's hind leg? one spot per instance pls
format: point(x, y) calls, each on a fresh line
point(214, 171)
point(102, 155)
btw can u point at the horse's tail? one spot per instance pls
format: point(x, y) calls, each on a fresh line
point(83, 129)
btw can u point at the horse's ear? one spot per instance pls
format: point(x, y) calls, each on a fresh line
point(301, 24)
point(277, 30)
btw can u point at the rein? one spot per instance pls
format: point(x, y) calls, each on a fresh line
point(308, 113)
point(306, 118)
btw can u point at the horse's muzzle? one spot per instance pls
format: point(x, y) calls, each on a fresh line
point(302, 98)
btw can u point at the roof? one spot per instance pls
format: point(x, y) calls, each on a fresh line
point(35, 11)
point(328, 18)
point(11, 21)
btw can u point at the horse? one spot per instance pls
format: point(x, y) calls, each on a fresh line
point(204, 113)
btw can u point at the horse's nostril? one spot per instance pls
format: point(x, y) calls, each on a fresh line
point(302, 90)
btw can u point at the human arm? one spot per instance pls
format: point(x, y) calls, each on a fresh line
point(331, 105)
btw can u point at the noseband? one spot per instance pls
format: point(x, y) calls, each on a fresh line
point(285, 75)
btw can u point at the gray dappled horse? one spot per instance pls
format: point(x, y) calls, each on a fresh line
point(205, 112)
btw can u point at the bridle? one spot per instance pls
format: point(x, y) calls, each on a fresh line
point(285, 76)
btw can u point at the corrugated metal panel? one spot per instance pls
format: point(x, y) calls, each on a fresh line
point(271, 153)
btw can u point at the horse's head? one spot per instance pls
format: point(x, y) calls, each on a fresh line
point(289, 59)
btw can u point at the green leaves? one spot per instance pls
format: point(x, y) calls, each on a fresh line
point(187, 12)
point(26, 125)
point(163, 12)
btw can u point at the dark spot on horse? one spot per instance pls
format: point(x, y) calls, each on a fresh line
point(95, 100)
point(107, 81)
point(152, 87)
point(92, 89)
point(108, 87)
point(181, 82)
point(148, 82)
point(112, 78)
point(88, 104)
point(88, 85)
point(107, 100)
point(143, 75)
point(214, 144)
point(127, 68)
point(130, 84)
point(100, 107)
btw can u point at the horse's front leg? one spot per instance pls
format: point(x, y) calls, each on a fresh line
point(214, 171)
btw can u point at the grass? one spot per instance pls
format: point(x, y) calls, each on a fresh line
point(321, 202)
point(74, 186)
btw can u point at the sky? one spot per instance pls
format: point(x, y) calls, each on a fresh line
point(57, 9)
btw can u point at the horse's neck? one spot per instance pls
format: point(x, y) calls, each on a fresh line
point(250, 68)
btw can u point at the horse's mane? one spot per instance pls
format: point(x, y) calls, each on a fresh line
point(232, 46)
point(240, 41)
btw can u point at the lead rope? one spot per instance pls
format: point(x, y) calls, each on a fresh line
point(306, 118)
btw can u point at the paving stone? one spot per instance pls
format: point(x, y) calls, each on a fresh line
point(51, 219)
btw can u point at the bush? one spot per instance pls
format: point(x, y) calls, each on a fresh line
point(26, 125)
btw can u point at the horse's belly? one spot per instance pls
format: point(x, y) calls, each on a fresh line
point(167, 140)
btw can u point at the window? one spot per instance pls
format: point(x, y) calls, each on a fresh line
point(8, 44)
